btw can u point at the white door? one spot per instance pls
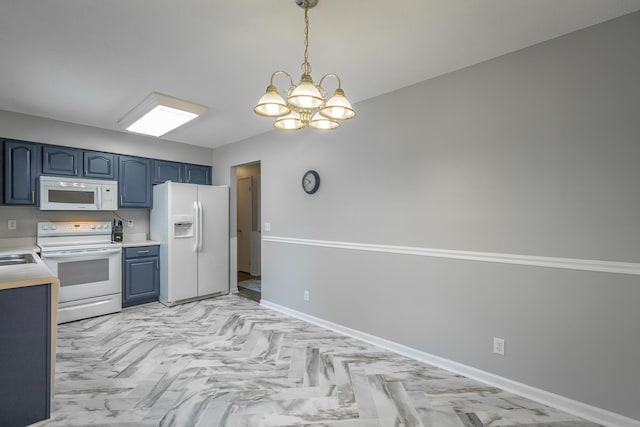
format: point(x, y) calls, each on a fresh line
point(244, 224)
point(213, 256)
point(182, 256)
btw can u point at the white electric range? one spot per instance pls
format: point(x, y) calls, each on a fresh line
point(88, 265)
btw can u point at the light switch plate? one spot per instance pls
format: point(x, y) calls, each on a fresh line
point(12, 224)
point(267, 226)
point(498, 346)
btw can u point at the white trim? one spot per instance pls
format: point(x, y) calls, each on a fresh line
point(254, 268)
point(233, 265)
point(632, 268)
point(588, 412)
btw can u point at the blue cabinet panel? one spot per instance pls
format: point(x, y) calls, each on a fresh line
point(25, 355)
point(61, 161)
point(20, 159)
point(141, 271)
point(167, 171)
point(99, 165)
point(198, 174)
point(134, 182)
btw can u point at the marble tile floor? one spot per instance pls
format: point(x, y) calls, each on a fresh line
point(229, 362)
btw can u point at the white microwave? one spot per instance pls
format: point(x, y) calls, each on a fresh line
point(73, 194)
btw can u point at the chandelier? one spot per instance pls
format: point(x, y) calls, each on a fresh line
point(306, 104)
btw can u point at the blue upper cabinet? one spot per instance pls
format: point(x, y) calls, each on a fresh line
point(198, 174)
point(99, 165)
point(179, 172)
point(134, 182)
point(66, 161)
point(20, 160)
point(62, 161)
point(167, 171)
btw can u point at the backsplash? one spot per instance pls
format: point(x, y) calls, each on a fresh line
point(27, 217)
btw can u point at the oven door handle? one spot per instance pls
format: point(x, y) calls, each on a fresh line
point(81, 254)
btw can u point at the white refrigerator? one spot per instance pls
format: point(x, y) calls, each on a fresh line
point(191, 222)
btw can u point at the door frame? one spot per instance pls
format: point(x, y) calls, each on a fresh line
point(249, 230)
point(233, 237)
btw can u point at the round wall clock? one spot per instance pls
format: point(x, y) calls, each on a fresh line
point(310, 182)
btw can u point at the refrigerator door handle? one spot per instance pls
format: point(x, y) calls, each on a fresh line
point(196, 233)
point(199, 226)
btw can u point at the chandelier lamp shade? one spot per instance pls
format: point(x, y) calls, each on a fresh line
point(306, 104)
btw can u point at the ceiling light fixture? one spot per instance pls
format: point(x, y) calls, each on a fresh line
point(305, 104)
point(159, 114)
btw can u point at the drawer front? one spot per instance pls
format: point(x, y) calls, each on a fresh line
point(141, 251)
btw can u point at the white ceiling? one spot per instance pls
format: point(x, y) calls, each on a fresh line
point(89, 62)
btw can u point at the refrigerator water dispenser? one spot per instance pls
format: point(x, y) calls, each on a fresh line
point(182, 226)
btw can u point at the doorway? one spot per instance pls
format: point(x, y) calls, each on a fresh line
point(248, 232)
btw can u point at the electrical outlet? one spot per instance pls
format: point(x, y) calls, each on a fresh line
point(12, 224)
point(129, 223)
point(306, 295)
point(498, 346)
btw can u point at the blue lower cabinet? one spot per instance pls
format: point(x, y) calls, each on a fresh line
point(141, 271)
point(25, 355)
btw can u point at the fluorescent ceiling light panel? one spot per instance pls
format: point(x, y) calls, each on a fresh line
point(159, 114)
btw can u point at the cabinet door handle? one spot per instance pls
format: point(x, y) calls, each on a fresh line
point(157, 265)
point(75, 171)
point(33, 197)
point(121, 199)
point(143, 252)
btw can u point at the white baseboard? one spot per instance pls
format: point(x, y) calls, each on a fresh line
point(588, 412)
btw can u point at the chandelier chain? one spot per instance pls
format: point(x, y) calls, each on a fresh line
point(306, 68)
point(306, 104)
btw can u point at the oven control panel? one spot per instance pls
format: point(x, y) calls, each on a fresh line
point(74, 228)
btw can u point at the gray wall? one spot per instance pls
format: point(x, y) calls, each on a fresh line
point(532, 153)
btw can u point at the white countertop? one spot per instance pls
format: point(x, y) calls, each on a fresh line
point(18, 244)
point(12, 276)
point(137, 239)
point(126, 244)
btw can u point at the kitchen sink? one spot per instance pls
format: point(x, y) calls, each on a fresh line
point(16, 259)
